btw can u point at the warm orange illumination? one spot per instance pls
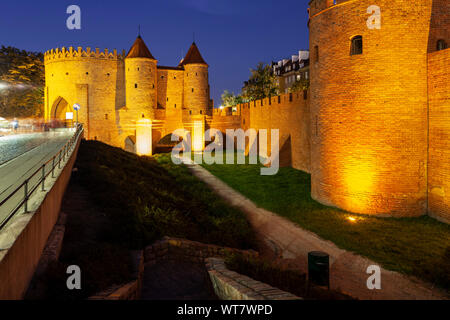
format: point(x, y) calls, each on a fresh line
point(351, 219)
point(359, 176)
point(198, 136)
point(144, 137)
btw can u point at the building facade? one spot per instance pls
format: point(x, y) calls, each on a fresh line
point(288, 71)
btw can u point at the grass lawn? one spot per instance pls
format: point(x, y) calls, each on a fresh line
point(150, 197)
point(118, 201)
point(414, 246)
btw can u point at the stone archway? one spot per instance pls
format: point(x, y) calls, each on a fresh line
point(130, 144)
point(59, 109)
point(164, 144)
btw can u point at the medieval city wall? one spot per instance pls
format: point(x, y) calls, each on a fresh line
point(439, 135)
point(289, 113)
point(93, 79)
point(369, 111)
point(196, 88)
point(439, 24)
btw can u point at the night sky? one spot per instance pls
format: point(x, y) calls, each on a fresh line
point(232, 35)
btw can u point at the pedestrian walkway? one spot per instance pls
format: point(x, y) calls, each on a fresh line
point(348, 271)
point(176, 280)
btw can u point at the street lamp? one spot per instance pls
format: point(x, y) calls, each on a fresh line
point(76, 107)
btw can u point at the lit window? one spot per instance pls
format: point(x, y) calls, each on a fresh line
point(357, 45)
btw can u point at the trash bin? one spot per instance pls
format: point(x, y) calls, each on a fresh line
point(319, 268)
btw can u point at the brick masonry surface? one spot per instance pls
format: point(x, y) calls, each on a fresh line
point(371, 130)
point(439, 135)
point(230, 285)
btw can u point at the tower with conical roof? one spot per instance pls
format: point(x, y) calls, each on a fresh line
point(140, 81)
point(196, 84)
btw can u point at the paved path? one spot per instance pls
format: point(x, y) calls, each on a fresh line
point(176, 280)
point(14, 172)
point(289, 241)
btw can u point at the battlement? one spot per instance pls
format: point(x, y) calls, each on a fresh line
point(295, 98)
point(70, 53)
point(317, 6)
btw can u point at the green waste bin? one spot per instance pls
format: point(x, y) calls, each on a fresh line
point(319, 268)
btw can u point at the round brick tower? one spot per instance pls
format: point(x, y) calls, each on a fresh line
point(140, 82)
point(196, 87)
point(369, 105)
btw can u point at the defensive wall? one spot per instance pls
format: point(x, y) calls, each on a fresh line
point(371, 130)
point(374, 130)
point(116, 90)
point(369, 110)
point(92, 78)
point(289, 113)
point(439, 135)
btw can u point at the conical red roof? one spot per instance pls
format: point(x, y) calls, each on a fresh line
point(193, 56)
point(139, 50)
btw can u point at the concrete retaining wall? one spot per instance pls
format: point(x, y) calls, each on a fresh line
point(18, 263)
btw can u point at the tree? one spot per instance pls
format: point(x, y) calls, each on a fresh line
point(22, 75)
point(299, 85)
point(262, 83)
point(230, 99)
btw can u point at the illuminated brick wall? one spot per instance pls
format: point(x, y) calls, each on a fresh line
point(439, 24)
point(439, 136)
point(369, 111)
point(196, 88)
point(289, 113)
point(94, 79)
point(115, 92)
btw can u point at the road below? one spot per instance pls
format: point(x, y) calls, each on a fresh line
point(20, 156)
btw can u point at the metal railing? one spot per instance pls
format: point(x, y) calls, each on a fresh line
point(46, 169)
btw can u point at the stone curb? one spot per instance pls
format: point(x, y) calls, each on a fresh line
point(230, 285)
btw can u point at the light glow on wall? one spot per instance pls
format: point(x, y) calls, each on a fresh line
point(144, 137)
point(198, 136)
point(359, 176)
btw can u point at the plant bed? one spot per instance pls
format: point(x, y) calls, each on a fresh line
point(117, 202)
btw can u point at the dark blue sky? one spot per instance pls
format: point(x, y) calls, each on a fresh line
point(233, 35)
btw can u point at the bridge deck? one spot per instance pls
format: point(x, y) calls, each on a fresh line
point(25, 155)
